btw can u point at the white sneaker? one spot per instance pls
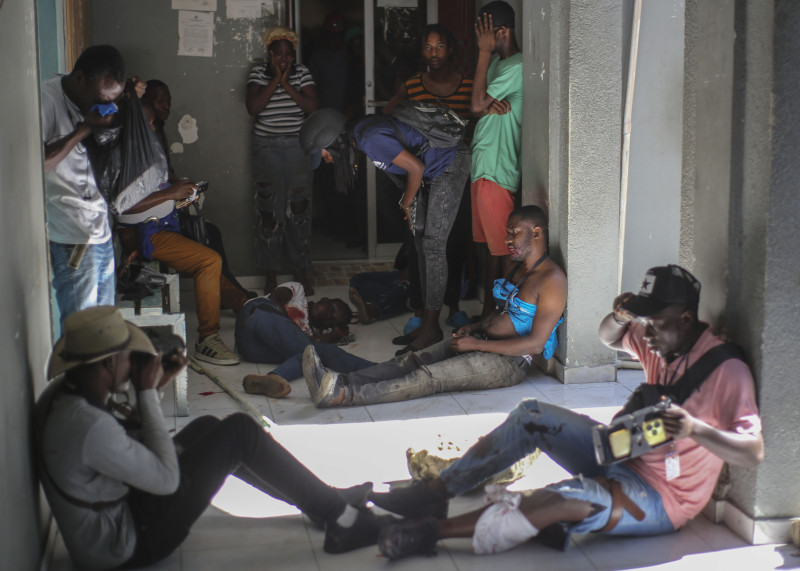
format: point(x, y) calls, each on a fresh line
point(213, 350)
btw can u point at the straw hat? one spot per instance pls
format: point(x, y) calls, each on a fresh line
point(279, 33)
point(93, 334)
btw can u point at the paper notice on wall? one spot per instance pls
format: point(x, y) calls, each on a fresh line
point(250, 9)
point(195, 33)
point(202, 5)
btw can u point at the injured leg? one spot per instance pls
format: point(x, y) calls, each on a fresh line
point(511, 519)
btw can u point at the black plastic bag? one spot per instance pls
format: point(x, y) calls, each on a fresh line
point(144, 162)
point(127, 160)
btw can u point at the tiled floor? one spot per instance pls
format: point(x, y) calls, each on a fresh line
point(246, 530)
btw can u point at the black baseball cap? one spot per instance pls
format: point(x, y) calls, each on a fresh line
point(663, 286)
point(502, 13)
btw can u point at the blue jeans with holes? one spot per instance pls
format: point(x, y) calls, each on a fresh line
point(92, 283)
point(282, 185)
point(435, 369)
point(266, 337)
point(437, 208)
point(566, 437)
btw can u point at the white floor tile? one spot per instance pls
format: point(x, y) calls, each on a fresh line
point(530, 555)
point(613, 552)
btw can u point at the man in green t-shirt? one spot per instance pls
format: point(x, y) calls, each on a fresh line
point(495, 173)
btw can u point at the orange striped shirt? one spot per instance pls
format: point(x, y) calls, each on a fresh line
point(459, 101)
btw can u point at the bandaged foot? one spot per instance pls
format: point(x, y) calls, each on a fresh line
point(502, 525)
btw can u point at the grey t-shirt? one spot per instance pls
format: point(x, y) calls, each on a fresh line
point(91, 458)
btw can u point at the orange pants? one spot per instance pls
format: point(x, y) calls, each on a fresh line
point(491, 206)
point(205, 266)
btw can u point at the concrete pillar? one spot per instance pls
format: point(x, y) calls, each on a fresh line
point(706, 179)
point(571, 149)
point(763, 309)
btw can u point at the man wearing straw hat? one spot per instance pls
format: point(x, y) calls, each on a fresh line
point(129, 498)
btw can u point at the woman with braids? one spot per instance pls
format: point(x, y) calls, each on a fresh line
point(280, 94)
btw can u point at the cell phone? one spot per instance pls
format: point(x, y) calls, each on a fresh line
point(202, 186)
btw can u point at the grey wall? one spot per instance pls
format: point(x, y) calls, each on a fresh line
point(49, 38)
point(25, 316)
point(212, 91)
point(707, 123)
point(537, 19)
point(762, 307)
point(582, 60)
point(652, 222)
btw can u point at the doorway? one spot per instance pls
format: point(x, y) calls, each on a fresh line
point(378, 51)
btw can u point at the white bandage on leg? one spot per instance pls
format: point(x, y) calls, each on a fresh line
point(502, 525)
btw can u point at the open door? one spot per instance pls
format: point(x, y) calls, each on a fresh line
point(391, 56)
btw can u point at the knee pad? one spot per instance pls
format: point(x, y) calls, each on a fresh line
point(502, 525)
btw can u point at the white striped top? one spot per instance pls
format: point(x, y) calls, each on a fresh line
point(282, 115)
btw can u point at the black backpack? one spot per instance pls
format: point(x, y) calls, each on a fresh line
point(438, 123)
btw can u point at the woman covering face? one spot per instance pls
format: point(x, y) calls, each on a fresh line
point(280, 95)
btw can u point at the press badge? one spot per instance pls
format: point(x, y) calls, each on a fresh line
point(672, 465)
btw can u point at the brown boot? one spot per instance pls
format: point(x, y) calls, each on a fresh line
point(269, 385)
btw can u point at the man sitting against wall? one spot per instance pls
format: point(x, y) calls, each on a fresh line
point(124, 492)
point(493, 353)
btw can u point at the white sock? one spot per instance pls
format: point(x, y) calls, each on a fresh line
point(348, 517)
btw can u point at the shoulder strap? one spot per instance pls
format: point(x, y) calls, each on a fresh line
point(683, 388)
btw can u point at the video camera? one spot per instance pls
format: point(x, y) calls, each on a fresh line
point(631, 435)
point(165, 342)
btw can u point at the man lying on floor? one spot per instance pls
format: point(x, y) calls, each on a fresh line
point(277, 327)
point(127, 494)
point(656, 492)
point(493, 353)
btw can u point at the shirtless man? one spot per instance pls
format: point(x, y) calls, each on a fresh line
point(491, 354)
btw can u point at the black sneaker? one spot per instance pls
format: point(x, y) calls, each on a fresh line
point(362, 533)
point(414, 502)
point(409, 537)
point(356, 496)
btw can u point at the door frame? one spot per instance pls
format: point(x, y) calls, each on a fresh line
point(374, 249)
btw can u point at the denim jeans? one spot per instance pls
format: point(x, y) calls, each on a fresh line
point(385, 289)
point(266, 337)
point(436, 211)
point(282, 185)
point(92, 283)
point(566, 437)
point(209, 450)
point(435, 369)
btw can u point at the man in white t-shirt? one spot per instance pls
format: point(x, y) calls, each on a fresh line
point(77, 213)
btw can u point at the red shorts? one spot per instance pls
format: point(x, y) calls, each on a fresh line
point(491, 206)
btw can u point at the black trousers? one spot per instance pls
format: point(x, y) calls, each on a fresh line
point(209, 450)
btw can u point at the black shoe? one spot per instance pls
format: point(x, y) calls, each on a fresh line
point(409, 537)
point(362, 533)
point(405, 339)
point(356, 496)
point(414, 502)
